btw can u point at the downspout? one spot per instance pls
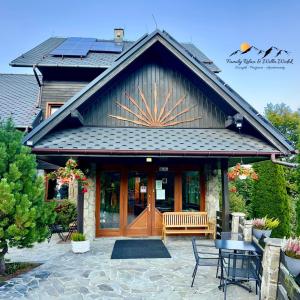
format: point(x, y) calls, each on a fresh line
point(283, 163)
point(36, 76)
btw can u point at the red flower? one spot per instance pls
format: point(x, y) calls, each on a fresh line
point(84, 190)
point(233, 189)
point(83, 178)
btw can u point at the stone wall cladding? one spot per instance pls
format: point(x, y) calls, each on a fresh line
point(212, 196)
point(89, 221)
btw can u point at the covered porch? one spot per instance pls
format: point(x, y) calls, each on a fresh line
point(137, 174)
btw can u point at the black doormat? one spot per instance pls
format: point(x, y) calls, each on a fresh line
point(130, 249)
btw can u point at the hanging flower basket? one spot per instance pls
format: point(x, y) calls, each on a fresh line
point(69, 174)
point(242, 172)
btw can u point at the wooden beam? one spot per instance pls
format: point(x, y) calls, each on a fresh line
point(225, 195)
point(80, 209)
point(77, 115)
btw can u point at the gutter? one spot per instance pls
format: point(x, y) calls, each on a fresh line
point(153, 152)
point(283, 163)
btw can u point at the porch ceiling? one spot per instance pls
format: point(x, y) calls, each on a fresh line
point(208, 142)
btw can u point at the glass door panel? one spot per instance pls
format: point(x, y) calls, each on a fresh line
point(164, 191)
point(191, 191)
point(137, 195)
point(110, 200)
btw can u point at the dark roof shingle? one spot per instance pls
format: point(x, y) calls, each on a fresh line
point(154, 139)
point(40, 56)
point(18, 99)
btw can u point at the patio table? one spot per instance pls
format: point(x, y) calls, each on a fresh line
point(235, 245)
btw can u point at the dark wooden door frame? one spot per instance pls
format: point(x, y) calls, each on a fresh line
point(151, 171)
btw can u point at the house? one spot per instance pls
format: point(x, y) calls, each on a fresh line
point(152, 123)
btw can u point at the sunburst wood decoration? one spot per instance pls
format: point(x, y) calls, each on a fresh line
point(156, 117)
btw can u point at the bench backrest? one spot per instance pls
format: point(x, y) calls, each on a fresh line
point(179, 219)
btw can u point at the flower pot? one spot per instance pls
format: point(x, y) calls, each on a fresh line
point(293, 265)
point(80, 246)
point(259, 232)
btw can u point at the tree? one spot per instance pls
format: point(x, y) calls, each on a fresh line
point(298, 184)
point(287, 122)
point(24, 215)
point(270, 196)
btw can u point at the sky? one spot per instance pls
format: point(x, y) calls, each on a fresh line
point(217, 28)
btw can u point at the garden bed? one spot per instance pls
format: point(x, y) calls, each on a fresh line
point(14, 269)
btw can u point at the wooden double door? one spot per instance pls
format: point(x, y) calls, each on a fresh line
point(131, 202)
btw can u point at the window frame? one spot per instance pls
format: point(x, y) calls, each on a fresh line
point(49, 105)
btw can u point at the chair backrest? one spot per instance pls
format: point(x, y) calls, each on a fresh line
point(185, 219)
point(195, 249)
point(228, 235)
point(250, 265)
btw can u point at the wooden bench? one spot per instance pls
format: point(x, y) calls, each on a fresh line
point(187, 223)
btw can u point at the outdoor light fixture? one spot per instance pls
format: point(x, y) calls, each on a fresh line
point(148, 159)
point(238, 120)
point(29, 143)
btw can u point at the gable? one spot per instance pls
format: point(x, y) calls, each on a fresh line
point(152, 94)
point(230, 100)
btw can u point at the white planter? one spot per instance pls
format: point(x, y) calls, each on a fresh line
point(258, 233)
point(80, 247)
point(293, 265)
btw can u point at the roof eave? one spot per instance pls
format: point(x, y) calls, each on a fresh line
point(154, 152)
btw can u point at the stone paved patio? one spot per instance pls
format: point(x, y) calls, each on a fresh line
point(94, 275)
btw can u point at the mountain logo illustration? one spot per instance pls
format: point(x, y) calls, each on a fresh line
point(246, 48)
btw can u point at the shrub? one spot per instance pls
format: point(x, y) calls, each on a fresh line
point(237, 203)
point(66, 213)
point(270, 197)
point(77, 237)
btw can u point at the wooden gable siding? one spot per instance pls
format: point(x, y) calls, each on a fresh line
point(59, 91)
point(97, 112)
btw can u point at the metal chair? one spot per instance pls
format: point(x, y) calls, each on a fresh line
point(203, 259)
point(56, 228)
point(241, 268)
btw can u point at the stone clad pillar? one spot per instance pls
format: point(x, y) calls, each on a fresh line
point(270, 264)
point(212, 196)
point(89, 206)
point(247, 232)
point(235, 222)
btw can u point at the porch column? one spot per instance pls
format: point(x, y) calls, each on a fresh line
point(212, 194)
point(225, 195)
point(89, 205)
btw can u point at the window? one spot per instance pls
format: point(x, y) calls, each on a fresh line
point(52, 107)
point(57, 190)
point(191, 191)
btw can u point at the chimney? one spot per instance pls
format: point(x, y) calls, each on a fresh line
point(119, 35)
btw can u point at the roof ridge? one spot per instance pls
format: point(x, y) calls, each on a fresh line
point(26, 74)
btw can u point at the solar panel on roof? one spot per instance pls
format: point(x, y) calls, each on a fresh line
point(81, 46)
point(74, 47)
point(106, 46)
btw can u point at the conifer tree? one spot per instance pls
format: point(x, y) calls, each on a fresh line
point(270, 197)
point(24, 215)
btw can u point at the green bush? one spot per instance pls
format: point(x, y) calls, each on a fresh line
point(77, 237)
point(237, 203)
point(270, 197)
point(66, 213)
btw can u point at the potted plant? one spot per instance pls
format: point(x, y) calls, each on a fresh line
point(291, 251)
point(79, 243)
point(264, 226)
